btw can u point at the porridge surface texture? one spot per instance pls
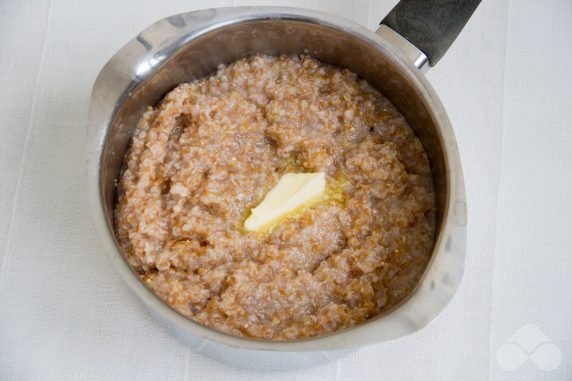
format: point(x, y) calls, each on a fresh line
point(211, 150)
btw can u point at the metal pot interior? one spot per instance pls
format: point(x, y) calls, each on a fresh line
point(188, 58)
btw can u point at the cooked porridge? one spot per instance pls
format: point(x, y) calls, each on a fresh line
point(211, 150)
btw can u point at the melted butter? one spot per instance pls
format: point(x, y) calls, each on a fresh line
point(333, 193)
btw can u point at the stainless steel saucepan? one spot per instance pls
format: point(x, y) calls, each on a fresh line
point(189, 46)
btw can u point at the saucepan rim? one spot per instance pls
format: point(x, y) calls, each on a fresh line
point(197, 23)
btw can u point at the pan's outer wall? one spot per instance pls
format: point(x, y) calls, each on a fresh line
point(190, 46)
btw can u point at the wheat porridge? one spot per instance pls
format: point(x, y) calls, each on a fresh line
point(210, 151)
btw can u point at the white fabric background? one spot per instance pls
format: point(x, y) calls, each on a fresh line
point(65, 315)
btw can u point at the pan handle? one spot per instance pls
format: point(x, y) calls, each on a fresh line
point(430, 25)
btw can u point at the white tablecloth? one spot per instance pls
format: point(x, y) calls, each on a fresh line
point(507, 85)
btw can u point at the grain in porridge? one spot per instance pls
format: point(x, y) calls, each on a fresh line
point(211, 150)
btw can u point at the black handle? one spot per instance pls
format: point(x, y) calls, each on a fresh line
point(430, 25)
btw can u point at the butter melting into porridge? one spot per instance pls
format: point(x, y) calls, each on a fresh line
point(210, 152)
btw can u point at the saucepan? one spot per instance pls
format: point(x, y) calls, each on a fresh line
point(189, 46)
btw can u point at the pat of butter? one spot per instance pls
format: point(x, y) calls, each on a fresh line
point(293, 191)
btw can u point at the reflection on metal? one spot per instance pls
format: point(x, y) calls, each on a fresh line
point(146, 66)
point(410, 51)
